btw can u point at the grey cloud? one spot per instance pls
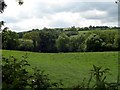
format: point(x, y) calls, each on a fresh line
point(24, 15)
point(41, 10)
point(14, 27)
point(109, 7)
point(61, 23)
point(10, 19)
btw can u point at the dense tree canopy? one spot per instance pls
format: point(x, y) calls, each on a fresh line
point(93, 43)
point(47, 40)
point(58, 40)
point(34, 36)
point(9, 39)
point(62, 43)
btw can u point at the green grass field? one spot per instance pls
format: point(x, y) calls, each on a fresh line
point(70, 67)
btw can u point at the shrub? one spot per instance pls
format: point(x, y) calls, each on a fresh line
point(16, 76)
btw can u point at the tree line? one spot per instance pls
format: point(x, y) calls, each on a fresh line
point(61, 40)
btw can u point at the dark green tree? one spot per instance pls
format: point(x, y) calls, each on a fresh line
point(47, 41)
point(9, 39)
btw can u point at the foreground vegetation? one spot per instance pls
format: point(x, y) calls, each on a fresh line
point(15, 76)
point(71, 68)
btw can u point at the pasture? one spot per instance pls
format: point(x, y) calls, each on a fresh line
point(71, 68)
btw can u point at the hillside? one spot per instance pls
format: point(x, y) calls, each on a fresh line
point(72, 68)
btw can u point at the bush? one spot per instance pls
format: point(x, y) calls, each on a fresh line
point(16, 76)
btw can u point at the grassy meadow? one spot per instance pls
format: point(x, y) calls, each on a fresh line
point(72, 68)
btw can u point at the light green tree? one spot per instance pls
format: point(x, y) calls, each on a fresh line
point(62, 43)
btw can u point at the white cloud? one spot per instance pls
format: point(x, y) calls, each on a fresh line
point(94, 13)
point(56, 13)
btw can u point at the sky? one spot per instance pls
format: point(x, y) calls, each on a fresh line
point(35, 14)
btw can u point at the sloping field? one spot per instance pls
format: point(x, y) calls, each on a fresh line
point(72, 68)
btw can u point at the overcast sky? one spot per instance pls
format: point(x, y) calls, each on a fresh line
point(59, 13)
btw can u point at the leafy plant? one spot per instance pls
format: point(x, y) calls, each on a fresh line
point(99, 75)
point(15, 76)
point(41, 81)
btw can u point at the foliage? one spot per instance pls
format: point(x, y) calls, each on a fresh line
point(58, 40)
point(93, 43)
point(16, 76)
point(47, 40)
point(1, 24)
point(62, 43)
point(25, 45)
point(99, 75)
point(107, 36)
point(9, 39)
point(81, 42)
point(41, 81)
point(77, 43)
point(71, 31)
point(20, 2)
point(2, 6)
point(73, 46)
point(117, 42)
point(33, 35)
